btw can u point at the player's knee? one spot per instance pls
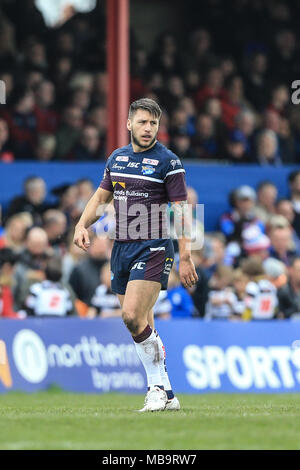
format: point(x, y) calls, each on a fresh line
point(131, 322)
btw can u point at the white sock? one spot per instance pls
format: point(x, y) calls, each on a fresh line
point(149, 353)
point(162, 364)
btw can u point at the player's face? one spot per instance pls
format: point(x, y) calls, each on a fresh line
point(143, 127)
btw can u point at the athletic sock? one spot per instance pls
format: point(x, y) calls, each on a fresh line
point(163, 368)
point(148, 350)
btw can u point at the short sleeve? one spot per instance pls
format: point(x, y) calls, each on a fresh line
point(174, 180)
point(106, 181)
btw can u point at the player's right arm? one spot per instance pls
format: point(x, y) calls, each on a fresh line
point(92, 212)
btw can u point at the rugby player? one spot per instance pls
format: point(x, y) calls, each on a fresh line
point(146, 173)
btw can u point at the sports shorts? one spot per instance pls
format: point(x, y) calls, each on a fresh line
point(148, 260)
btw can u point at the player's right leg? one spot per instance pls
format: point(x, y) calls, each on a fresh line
point(173, 402)
point(139, 299)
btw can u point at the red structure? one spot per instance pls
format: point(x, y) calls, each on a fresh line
point(118, 72)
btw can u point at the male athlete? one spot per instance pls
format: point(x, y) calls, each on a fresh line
point(143, 174)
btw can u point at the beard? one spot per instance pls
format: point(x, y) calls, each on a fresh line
point(138, 143)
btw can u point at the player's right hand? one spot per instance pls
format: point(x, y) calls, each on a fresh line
point(81, 238)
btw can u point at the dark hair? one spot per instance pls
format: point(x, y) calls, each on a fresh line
point(7, 255)
point(293, 175)
point(146, 104)
point(294, 259)
point(53, 270)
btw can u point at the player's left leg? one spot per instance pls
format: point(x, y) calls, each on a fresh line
point(140, 296)
point(173, 402)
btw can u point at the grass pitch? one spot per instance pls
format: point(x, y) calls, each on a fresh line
point(59, 420)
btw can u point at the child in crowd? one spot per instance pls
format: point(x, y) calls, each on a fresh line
point(261, 295)
point(239, 282)
point(50, 298)
point(104, 302)
point(221, 298)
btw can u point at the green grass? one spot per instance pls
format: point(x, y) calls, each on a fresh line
point(59, 420)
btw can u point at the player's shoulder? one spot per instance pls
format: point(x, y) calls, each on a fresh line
point(120, 154)
point(170, 162)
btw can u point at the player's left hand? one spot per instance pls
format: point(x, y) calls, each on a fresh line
point(187, 272)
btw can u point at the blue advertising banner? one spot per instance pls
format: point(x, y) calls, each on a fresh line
point(99, 356)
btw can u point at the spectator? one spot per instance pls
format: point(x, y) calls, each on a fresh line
point(282, 247)
point(22, 123)
point(289, 294)
point(261, 295)
point(294, 184)
point(212, 88)
point(267, 148)
point(245, 123)
point(236, 148)
point(89, 146)
point(15, 231)
point(232, 224)
point(69, 131)
point(221, 298)
point(104, 302)
point(31, 263)
point(84, 278)
point(284, 207)
point(55, 226)
point(204, 143)
point(239, 283)
point(50, 298)
point(7, 263)
point(255, 243)
point(6, 153)
point(181, 145)
point(47, 118)
point(256, 80)
point(45, 148)
point(233, 101)
point(33, 200)
point(266, 199)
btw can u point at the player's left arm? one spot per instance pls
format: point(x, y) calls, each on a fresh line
point(183, 228)
point(175, 185)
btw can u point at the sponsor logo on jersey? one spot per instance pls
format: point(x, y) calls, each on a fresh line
point(147, 170)
point(168, 265)
point(150, 162)
point(122, 159)
point(118, 167)
point(175, 162)
point(133, 164)
point(138, 265)
point(118, 182)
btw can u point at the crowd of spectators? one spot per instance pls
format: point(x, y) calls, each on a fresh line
point(248, 270)
point(224, 85)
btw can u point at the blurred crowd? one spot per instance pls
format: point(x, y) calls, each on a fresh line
point(223, 82)
point(248, 270)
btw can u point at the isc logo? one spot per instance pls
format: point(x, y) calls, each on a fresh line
point(139, 265)
point(133, 164)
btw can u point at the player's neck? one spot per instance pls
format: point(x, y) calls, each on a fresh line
point(138, 149)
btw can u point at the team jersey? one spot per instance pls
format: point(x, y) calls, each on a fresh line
point(224, 309)
point(105, 300)
point(142, 184)
point(48, 298)
point(261, 299)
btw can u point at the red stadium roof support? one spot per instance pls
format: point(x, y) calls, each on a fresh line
point(118, 72)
